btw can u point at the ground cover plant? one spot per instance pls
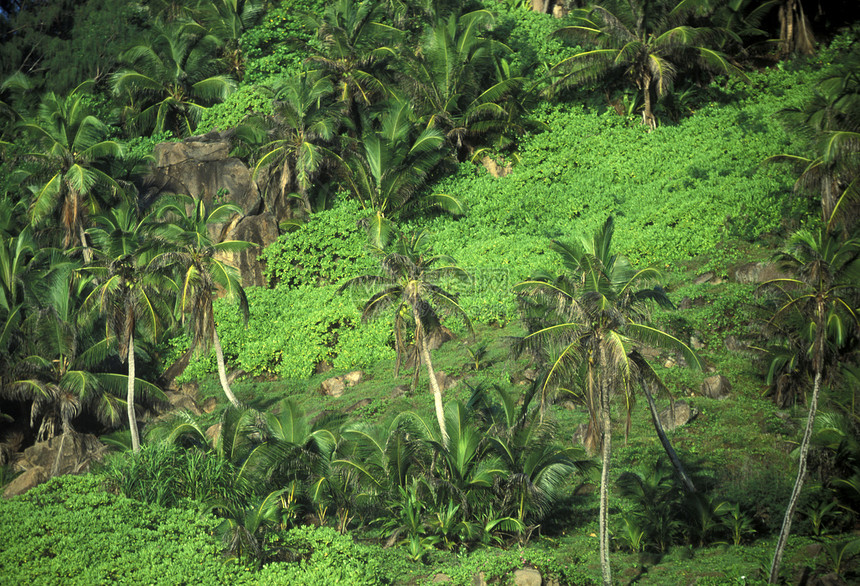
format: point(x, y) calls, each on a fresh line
point(541, 257)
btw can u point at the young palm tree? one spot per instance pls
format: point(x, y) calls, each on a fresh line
point(645, 42)
point(201, 274)
point(228, 20)
point(595, 316)
point(300, 131)
point(70, 144)
point(355, 50)
point(391, 164)
point(172, 79)
point(823, 293)
point(829, 124)
point(408, 283)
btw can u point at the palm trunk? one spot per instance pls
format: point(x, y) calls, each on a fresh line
point(421, 340)
point(132, 418)
point(648, 118)
point(798, 484)
point(222, 369)
point(667, 446)
point(606, 454)
point(88, 253)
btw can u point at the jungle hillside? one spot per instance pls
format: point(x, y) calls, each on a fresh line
point(485, 292)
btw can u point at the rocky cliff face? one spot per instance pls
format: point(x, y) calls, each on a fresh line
point(201, 166)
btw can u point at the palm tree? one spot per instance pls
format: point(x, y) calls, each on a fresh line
point(172, 79)
point(408, 283)
point(201, 274)
point(643, 41)
point(129, 290)
point(449, 83)
point(227, 20)
point(300, 129)
point(355, 49)
point(70, 144)
point(392, 163)
point(595, 317)
point(828, 124)
point(822, 294)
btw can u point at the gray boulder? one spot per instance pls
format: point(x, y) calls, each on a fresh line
point(677, 414)
point(716, 387)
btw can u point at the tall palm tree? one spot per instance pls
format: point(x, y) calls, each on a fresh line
point(408, 284)
point(70, 145)
point(173, 78)
point(129, 292)
point(200, 273)
point(300, 131)
point(645, 41)
point(822, 294)
point(596, 316)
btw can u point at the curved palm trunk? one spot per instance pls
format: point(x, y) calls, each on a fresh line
point(132, 418)
point(222, 369)
point(667, 445)
point(606, 455)
point(798, 484)
point(421, 340)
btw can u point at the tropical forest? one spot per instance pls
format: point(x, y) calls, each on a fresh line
point(479, 292)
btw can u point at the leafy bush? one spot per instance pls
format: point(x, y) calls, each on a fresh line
point(275, 46)
point(329, 248)
point(326, 557)
point(291, 330)
point(70, 531)
point(248, 99)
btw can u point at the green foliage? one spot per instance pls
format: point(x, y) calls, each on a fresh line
point(166, 475)
point(329, 248)
point(70, 531)
point(291, 330)
point(245, 101)
point(274, 47)
point(326, 557)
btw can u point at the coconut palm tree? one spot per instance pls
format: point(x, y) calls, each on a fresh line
point(821, 297)
point(129, 292)
point(228, 20)
point(70, 145)
point(596, 316)
point(299, 132)
point(201, 274)
point(408, 284)
point(648, 42)
point(171, 79)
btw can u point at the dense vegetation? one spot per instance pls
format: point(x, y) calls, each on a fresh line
point(653, 155)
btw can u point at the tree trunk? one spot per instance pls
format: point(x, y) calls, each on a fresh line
point(667, 446)
point(606, 453)
point(648, 118)
point(798, 484)
point(85, 248)
point(420, 340)
point(222, 369)
point(132, 418)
